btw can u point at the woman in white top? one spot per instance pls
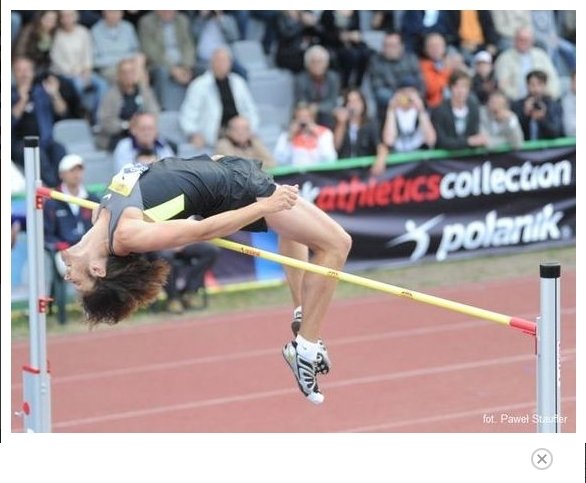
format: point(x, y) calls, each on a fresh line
point(407, 125)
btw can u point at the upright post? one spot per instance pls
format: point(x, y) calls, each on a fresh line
point(548, 351)
point(36, 406)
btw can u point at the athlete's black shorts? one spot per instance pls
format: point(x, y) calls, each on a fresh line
point(248, 183)
point(209, 187)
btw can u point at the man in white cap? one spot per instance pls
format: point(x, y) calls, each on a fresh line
point(483, 81)
point(65, 224)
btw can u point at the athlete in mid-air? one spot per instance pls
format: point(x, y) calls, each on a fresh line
point(151, 208)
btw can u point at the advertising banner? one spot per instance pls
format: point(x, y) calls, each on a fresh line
point(446, 207)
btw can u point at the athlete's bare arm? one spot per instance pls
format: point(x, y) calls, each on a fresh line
point(135, 235)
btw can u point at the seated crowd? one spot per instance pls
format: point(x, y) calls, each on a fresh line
point(434, 79)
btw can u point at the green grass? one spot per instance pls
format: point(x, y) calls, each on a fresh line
point(423, 277)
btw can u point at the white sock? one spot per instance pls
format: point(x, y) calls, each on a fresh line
point(298, 312)
point(306, 349)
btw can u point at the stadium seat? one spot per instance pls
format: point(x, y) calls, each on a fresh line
point(169, 127)
point(273, 87)
point(75, 135)
point(256, 29)
point(273, 115)
point(374, 39)
point(250, 54)
point(99, 167)
point(269, 135)
point(365, 19)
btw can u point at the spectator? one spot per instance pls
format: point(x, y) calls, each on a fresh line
point(318, 86)
point(499, 123)
point(436, 68)
point(115, 40)
point(213, 99)
point(170, 52)
point(408, 126)
point(36, 39)
point(268, 18)
point(239, 141)
point(356, 135)
point(389, 68)
point(296, 31)
point(341, 34)
point(187, 276)
point(561, 51)
point(305, 143)
point(121, 102)
point(513, 65)
point(65, 224)
point(539, 113)
point(483, 81)
point(475, 31)
point(134, 16)
point(418, 24)
point(71, 57)
point(457, 119)
point(569, 109)
point(34, 108)
point(143, 137)
point(507, 22)
point(566, 20)
point(146, 156)
point(213, 29)
point(88, 18)
point(385, 20)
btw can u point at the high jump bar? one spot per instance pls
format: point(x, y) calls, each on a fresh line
point(526, 326)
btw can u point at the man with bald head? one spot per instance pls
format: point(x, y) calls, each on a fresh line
point(513, 65)
point(213, 99)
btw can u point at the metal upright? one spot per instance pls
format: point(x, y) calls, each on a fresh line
point(548, 415)
point(36, 406)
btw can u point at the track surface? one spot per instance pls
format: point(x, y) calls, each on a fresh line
point(398, 366)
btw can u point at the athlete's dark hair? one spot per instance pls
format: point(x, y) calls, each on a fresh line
point(131, 282)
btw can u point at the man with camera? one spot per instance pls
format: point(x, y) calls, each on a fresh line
point(305, 142)
point(539, 114)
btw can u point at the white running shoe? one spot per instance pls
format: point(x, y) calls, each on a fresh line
point(323, 362)
point(304, 371)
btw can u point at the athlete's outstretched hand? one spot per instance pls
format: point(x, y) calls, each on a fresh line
point(284, 198)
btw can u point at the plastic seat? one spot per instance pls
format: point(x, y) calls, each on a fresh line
point(75, 135)
point(250, 54)
point(169, 127)
point(273, 87)
point(374, 39)
point(99, 167)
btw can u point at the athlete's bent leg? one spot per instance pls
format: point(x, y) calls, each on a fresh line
point(330, 245)
point(292, 249)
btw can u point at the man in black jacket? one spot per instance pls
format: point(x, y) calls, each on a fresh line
point(457, 119)
point(540, 115)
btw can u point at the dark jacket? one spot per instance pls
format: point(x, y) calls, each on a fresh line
point(550, 127)
point(367, 140)
point(386, 73)
point(331, 32)
point(43, 113)
point(442, 118)
point(62, 228)
point(306, 90)
point(293, 39)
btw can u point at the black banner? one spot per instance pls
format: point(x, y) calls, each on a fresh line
point(450, 207)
